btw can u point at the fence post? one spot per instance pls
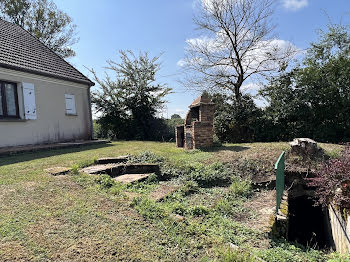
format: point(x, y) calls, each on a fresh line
point(279, 167)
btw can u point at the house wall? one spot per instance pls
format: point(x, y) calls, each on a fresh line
point(52, 123)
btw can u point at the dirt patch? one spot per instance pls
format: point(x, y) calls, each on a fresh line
point(163, 192)
point(263, 204)
point(13, 251)
point(131, 195)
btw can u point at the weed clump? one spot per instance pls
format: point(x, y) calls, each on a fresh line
point(216, 174)
point(240, 187)
point(238, 255)
point(148, 208)
point(146, 157)
point(199, 211)
point(104, 181)
point(188, 188)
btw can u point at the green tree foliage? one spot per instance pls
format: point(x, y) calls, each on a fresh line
point(43, 20)
point(171, 125)
point(128, 104)
point(313, 100)
point(236, 121)
point(175, 116)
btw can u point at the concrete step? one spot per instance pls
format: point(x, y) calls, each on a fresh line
point(120, 169)
point(139, 169)
point(131, 178)
point(7, 151)
point(112, 160)
point(99, 169)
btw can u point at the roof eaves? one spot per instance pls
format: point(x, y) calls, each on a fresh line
point(87, 82)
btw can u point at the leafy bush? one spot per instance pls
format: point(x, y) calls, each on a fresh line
point(128, 105)
point(237, 121)
point(332, 181)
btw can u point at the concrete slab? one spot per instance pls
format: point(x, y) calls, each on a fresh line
point(7, 151)
point(99, 169)
point(56, 171)
point(130, 178)
point(120, 169)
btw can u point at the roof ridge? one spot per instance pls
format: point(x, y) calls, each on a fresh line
point(51, 51)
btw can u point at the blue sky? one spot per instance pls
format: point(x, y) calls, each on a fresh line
point(162, 26)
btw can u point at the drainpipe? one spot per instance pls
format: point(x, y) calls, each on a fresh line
point(90, 114)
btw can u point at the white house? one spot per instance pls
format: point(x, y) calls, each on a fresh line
point(43, 99)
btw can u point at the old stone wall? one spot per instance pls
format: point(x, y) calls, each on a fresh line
point(207, 113)
point(197, 131)
point(203, 134)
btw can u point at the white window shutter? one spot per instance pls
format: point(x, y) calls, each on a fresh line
point(70, 104)
point(29, 101)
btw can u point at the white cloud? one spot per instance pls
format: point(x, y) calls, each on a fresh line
point(295, 4)
point(259, 57)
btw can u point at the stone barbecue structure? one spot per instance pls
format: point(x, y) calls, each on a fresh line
point(197, 131)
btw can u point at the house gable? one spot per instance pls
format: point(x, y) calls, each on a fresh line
point(21, 51)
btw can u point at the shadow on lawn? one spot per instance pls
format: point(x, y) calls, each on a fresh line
point(226, 148)
point(43, 153)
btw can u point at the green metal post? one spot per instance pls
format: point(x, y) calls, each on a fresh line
point(279, 167)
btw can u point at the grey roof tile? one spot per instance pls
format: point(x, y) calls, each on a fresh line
point(21, 51)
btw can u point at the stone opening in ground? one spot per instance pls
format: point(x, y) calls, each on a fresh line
point(308, 224)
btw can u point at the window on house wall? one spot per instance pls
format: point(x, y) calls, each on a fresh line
point(8, 100)
point(70, 104)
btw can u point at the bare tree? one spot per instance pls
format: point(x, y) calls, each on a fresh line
point(238, 43)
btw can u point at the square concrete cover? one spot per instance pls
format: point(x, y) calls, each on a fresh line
point(130, 178)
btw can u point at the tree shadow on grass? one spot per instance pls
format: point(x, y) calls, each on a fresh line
point(43, 153)
point(225, 148)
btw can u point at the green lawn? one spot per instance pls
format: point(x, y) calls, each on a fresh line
point(87, 218)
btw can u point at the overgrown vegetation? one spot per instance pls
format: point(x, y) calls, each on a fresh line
point(128, 105)
point(332, 182)
point(194, 225)
point(94, 218)
point(311, 99)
